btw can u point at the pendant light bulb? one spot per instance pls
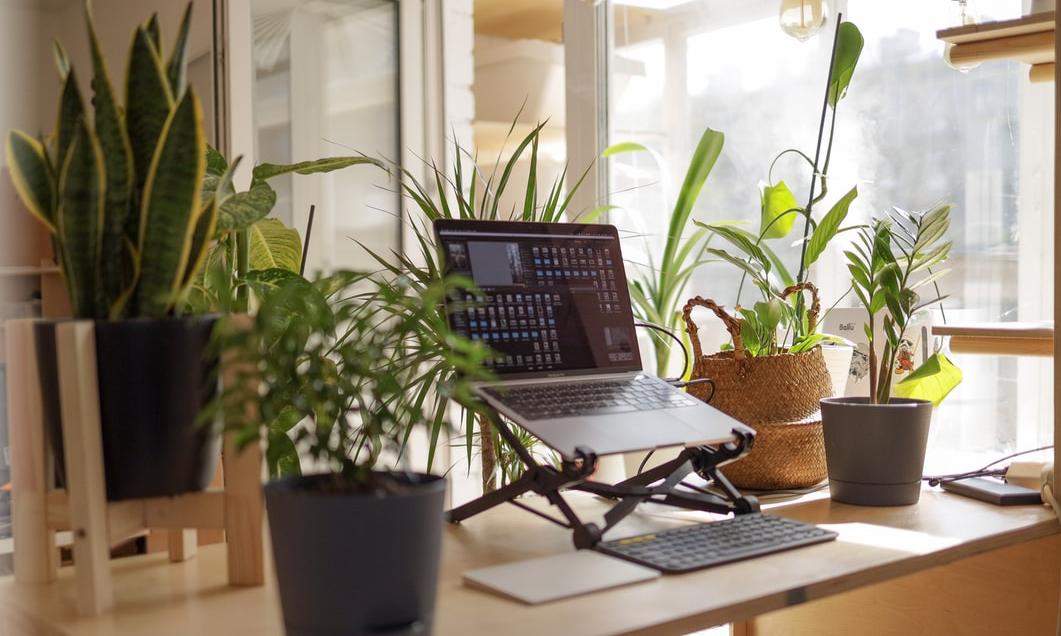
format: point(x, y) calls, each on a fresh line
point(803, 19)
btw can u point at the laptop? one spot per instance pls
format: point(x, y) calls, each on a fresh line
point(555, 307)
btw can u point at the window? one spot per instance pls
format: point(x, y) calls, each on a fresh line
point(912, 132)
point(326, 84)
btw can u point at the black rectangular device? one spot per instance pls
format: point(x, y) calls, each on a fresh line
point(994, 491)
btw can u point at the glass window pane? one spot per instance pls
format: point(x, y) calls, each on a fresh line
point(912, 132)
point(326, 84)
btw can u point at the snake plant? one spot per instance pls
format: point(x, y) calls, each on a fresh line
point(118, 184)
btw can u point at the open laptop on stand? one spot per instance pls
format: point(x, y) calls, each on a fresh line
point(552, 300)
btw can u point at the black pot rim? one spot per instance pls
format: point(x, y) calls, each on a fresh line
point(303, 484)
point(862, 400)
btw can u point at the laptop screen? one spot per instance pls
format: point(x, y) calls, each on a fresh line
point(554, 297)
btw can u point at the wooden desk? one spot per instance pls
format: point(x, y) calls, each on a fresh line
point(877, 547)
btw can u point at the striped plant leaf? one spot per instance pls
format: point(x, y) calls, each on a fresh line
point(170, 208)
point(148, 103)
point(78, 220)
point(177, 69)
point(118, 166)
point(32, 175)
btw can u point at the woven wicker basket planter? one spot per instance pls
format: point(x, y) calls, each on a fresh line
point(777, 395)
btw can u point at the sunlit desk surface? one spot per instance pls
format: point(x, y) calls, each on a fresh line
point(876, 545)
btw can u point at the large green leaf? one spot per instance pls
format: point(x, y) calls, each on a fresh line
point(828, 227)
point(265, 171)
point(71, 111)
point(779, 209)
point(170, 208)
point(78, 221)
point(702, 162)
point(932, 380)
point(273, 245)
point(177, 69)
point(148, 102)
point(115, 279)
point(848, 49)
point(32, 175)
point(244, 209)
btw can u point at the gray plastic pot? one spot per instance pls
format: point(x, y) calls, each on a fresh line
point(875, 453)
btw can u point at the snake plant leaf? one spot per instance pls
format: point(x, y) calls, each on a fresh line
point(779, 209)
point(71, 111)
point(32, 176)
point(148, 100)
point(273, 245)
point(829, 226)
point(153, 29)
point(78, 220)
point(115, 280)
point(202, 235)
point(848, 49)
point(933, 380)
point(177, 69)
point(170, 208)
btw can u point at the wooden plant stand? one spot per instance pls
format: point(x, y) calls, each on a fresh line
point(39, 510)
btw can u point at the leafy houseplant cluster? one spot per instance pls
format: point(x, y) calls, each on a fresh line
point(251, 247)
point(119, 187)
point(751, 252)
point(890, 265)
point(342, 365)
point(466, 191)
point(346, 355)
point(118, 184)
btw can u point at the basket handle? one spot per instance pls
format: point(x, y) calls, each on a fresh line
point(815, 306)
point(732, 326)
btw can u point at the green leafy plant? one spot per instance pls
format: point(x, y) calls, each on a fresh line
point(248, 241)
point(656, 287)
point(335, 370)
point(467, 191)
point(759, 255)
point(891, 260)
point(119, 187)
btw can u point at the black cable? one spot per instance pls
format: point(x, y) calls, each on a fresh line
point(681, 343)
point(986, 471)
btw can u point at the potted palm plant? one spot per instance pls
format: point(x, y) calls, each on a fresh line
point(118, 186)
point(356, 535)
point(875, 445)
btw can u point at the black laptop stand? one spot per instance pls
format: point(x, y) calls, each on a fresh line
point(659, 484)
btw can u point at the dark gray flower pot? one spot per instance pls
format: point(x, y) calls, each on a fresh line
point(356, 563)
point(875, 453)
point(155, 375)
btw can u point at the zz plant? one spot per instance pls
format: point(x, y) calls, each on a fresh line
point(890, 262)
point(118, 187)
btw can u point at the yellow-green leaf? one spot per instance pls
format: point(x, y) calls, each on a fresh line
point(779, 210)
point(932, 380)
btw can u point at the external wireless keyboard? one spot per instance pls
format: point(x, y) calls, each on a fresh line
point(704, 545)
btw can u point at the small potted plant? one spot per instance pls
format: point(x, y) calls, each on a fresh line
point(875, 445)
point(336, 364)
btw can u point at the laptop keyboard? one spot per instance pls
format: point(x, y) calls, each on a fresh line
point(567, 399)
point(703, 545)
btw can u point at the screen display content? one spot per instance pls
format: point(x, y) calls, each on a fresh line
point(553, 296)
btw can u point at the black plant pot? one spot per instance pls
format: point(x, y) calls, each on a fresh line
point(154, 376)
point(875, 453)
point(355, 563)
